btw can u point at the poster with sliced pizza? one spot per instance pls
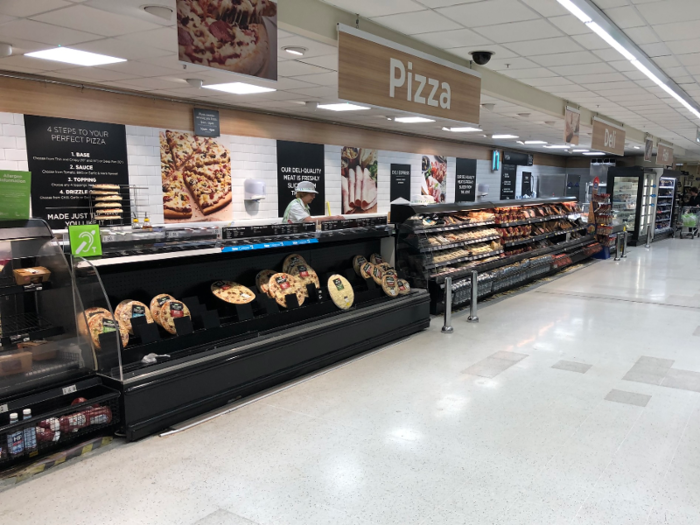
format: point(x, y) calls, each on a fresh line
point(196, 177)
point(234, 35)
point(434, 182)
point(358, 169)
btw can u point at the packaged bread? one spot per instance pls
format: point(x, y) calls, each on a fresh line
point(341, 292)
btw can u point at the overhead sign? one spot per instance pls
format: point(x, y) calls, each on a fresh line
point(206, 122)
point(400, 187)
point(608, 137)
point(572, 126)
point(15, 188)
point(465, 180)
point(517, 159)
point(648, 149)
point(664, 155)
point(375, 71)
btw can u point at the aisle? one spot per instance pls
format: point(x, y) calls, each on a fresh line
point(576, 402)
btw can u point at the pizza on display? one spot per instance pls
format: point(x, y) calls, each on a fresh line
point(282, 284)
point(170, 311)
point(232, 292)
point(194, 170)
point(225, 34)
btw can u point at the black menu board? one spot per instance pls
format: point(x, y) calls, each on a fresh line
point(206, 122)
point(297, 162)
point(517, 158)
point(508, 177)
point(400, 182)
point(526, 184)
point(465, 181)
point(66, 157)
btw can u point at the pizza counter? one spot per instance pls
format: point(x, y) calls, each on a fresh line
point(200, 327)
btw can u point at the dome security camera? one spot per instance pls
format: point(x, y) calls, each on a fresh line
point(481, 57)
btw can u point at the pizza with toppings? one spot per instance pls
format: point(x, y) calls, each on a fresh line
point(225, 34)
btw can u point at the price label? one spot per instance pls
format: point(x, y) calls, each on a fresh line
point(3, 408)
point(69, 389)
point(174, 235)
point(109, 238)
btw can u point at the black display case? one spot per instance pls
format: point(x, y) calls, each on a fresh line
point(564, 233)
point(225, 351)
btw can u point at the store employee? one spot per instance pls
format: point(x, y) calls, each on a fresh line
point(298, 210)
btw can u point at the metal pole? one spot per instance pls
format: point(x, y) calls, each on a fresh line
point(447, 326)
point(618, 246)
point(648, 244)
point(473, 317)
point(624, 246)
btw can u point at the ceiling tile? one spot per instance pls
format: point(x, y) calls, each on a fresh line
point(484, 13)
point(535, 72)
point(625, 17)
point(682, 47)
point(559, 82)
point(510, 63)
point(591, 41)
point(608, 54)
point(313, 48)
point(321, 92)
point(500, 51)
point(690, 59)
point(328, 62)
point(164, 38)
point(138, 69)
point(95, 74)
point(417, 22)
point(642, 35)
point(294, 68)
point(546, 8)
point(85, 18)
point(121, 49)
point(655, 50)
point(666, 13)
point(518, 31)
point(570, 25)
point(324, 79)
point(44, 33)
point(370, 8)
point(23, 8)
point(623, 66)
point(596, 78)
point(566, 59)
point(582, 69)
point(544, 47)
point(455, 38)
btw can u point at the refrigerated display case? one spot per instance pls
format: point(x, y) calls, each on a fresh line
point(223, 351)
point(665, 208)
point(632, 193)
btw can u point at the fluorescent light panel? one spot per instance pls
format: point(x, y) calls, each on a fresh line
point(75, 56)
point(504, 137)
point(534, 142)
point(596, 153)
point(342, 107)
point(576, 11)
point(412, 120)
point(557, 146)
point(240, 88)
point(580, 151)
point(462, 130)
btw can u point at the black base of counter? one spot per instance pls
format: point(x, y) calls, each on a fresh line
point(152, 402)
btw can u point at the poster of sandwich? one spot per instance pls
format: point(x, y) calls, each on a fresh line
point(236, 36)
point(196, 177)
point(358, 169)
point(434, 182)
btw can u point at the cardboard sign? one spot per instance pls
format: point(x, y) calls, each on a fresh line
point(15, 191)
point(608, 137)
point(85, 240)
point(375, 71)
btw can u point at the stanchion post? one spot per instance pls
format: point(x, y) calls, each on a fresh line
point(648, 244)
point(624, 246)
point(473, 317)
point(447, 326)
point(618, 246)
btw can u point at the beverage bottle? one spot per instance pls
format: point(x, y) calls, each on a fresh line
point(29, 432)
point(15, 440)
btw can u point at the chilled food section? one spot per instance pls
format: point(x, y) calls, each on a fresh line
point(665, 208)
point(513, 240)
point(180, 333)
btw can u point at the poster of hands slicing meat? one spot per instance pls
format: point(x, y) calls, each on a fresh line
point(359, 180)
point(434, 181)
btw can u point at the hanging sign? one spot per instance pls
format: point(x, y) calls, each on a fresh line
point(608, 137)
point(379, 72)
point(400, 182)
point(465, 180)
point(648, 149)
point(664, 155)
point(572, 126)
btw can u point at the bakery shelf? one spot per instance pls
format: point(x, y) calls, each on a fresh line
point(543, 236)
point(531, 220)
point(26, 327)
point(12, 289)
point(463, 259)
point(458, 244)
point(453, 227)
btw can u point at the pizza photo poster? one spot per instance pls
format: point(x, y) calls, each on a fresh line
point(240, 37)
point(434, 181)
point(358, 181)
point(196, 178)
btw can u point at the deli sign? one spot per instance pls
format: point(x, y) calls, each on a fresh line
point(378, 72)
point(664, 155)
point(608, 137)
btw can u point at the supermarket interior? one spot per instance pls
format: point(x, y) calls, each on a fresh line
point(349, 262)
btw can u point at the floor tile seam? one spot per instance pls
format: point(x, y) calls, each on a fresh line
point(612, 458)
point(621, 299)
point(673, 457)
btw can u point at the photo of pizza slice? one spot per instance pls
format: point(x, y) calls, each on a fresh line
point(182, 146)
point(229, 34)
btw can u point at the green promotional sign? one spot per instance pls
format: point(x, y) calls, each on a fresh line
point(85, 241)
point(15, 192)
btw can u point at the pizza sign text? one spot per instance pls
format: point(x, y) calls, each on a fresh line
point(399, 74)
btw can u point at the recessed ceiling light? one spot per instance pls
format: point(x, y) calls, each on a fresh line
point(195, 82)
point(412, 120)
point(637, 147)
point(597, 153)
point(342, 107)
point(74, 56)
point(488, 106)
point(580, 151)
point(532, 142)
point(461, 130)
point(504, 137)
point(160, 11)
point(557, 146)
point(240, 88)
point(295, 50)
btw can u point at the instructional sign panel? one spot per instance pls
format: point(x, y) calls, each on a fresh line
point(297, 162)
point(508, 177)
point(66, 157)
point(14, 194)
point(465, 181)
point(400, 187)
point(206, 123)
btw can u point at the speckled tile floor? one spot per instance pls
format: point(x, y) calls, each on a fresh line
point(412, 434)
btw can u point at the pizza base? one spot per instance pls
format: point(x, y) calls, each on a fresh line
point(218, 206)
point(173, 214)
point(232, 292)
